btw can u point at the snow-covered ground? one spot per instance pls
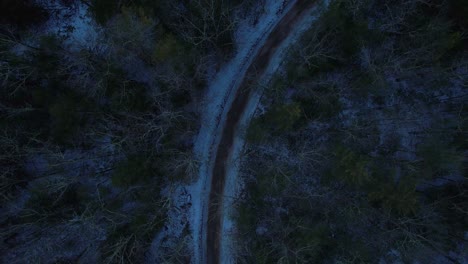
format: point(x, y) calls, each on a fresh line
point(233, 183)
point(219, 97)
point(189, 203)
point(71, 22)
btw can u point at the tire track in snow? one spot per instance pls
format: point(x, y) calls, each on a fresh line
point(256, 69)
point(199, 215)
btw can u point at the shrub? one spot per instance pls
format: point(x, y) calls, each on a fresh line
point(46, 60)
point(167, 47)
point(132, 33)
point(272, 183)
point(278, 86)
point(438, 158)
point(64, 120)
point(23, 13)
point(323, 103)
point(279, 119)
point(256, 131)
point(400, 199)
point(310, 241)
point(130, 96)
point(350, 167)
point(135, 170)
point(351, 30)
point(365, 84)
point(103, 10)
point(67, 116)
point(450, 202)
point(55, 200)
point(297, 72)
point(246, 217)
point(458, 11)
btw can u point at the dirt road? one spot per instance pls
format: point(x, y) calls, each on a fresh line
point(256, 69)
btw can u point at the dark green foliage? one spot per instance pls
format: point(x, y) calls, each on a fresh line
point(334, 43)
point(132, 236)
point(460, 140)
point(167, 47)
point(458, 11)
point(67, 116)
point(439, 22)
point(46, 59)
point(378, 179)
point(181, 98)
point(256, 132)
point(322, 103)
point(132, 97)
point(54, 203)
point(318, 241)
point(365, 84)
point(280, 119)
point(21, 13)
point(135, 170)
point(103, 10)
point(398, 198)
point(350, 167)
point(351, 30)
point(272, 183)
point(13, 179)
point(137, 227)
point(445, 42)
point(123, 94)
point(246, 217)
point(438, 158)
point(451, 202)
point(46, 107)
point(348, 31)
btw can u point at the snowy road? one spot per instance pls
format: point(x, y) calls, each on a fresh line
point(230, 103)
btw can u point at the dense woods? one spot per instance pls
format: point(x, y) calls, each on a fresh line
point(359, 152)
point(90, 134)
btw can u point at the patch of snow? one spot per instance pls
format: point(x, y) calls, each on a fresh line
point(261, 230)
point(73, 23)
point(169, 237)
point(138, 71)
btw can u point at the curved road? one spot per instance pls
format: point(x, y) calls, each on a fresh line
point(256, 69)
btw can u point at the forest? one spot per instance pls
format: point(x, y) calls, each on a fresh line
point(91, 131)
point(357, 152)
